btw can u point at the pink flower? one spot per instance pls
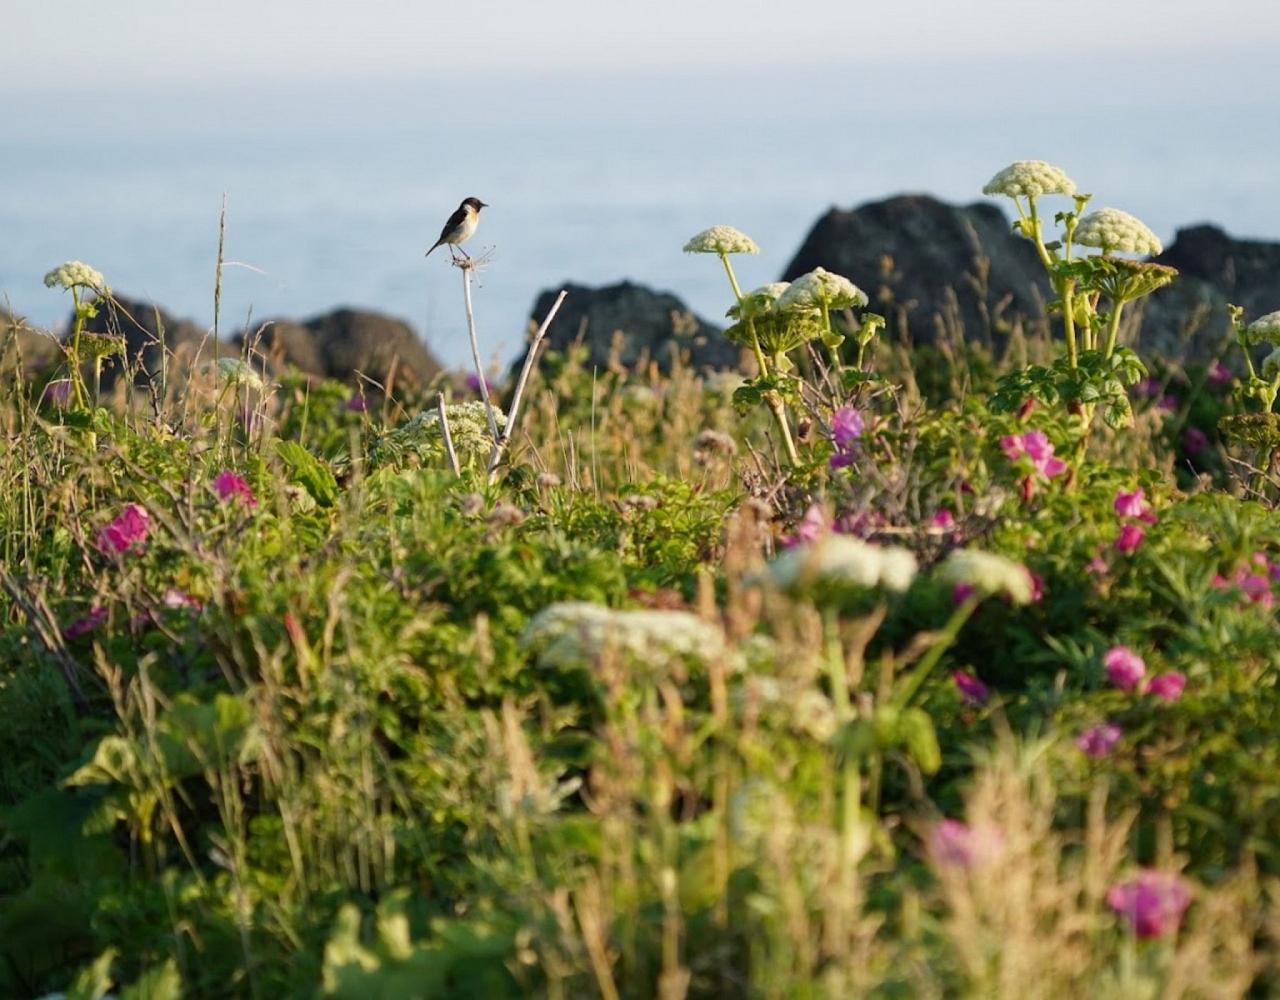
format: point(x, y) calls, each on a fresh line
point(810, 528)
point(357, 404)
point(1037, 587)
point(228, 485)
point(1167, 403)
point(1036, 447)
point(1152, 903)
point(175, 598)
point(1167, 687)
point(1257, 588)
point(972, 690)
point(1131, 504)
point(846, 427)
point(83, 626)
point(961, 592)
point(1124, 667)
point(129, 529)
point(953, 844)
point(1099, 741)
point(1219, 375)
point(1130, 538)
point(1194, 441)
point(58, 392)
point(943, 520)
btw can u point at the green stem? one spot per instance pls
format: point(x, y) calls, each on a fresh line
point(728, 269)
point(836, 672)
point(77, 325)
point(1113, 327)
point(902, 697)
point(1066, 292)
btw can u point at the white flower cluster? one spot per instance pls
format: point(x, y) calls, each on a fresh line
point(1112, 229)
point(1265, 329)
point(819, 286)
point(468, 425)
point(76, 274)
point(576, 634)
point(835, 562)
point(758, 301)
point(235, 371)
point(721, 240)
point(988, 573)
point(1030, 179)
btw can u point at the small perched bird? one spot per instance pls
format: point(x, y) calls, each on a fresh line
point(461, 225)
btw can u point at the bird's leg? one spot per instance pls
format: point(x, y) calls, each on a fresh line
point(464, 253)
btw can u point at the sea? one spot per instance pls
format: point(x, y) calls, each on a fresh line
point(331, 199)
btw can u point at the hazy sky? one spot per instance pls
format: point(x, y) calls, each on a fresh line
point(78, 44)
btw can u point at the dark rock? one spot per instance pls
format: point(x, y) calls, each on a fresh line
point(346, 341)
point(144, 327)
point(928, 265)
point(630, 323)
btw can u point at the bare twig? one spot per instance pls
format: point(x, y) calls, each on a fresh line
point(500, 445)
point(447, 435)
point(468, 265)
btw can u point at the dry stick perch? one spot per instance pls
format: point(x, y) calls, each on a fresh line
point(468, 265)
point(500, 444)
point(447, 435)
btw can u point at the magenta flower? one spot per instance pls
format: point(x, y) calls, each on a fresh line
point(846, 427)
point(1149, 387)
point(1168, 686)
point(953, 844)
point(1098, 741)
point(972, 690)
point(228, 485)
point(1257, 587)
point(1219, 375)
point(1194, 441)
point(961, 592)
point(1130, 538)
point(357, 404)
point(1131, 504)
point(1168, 404)
point(1037, 587)
point(809, 528)
point(58, 392)
point(1152, 903)
point(1125, 668)
point(96, 617)
point(129, 529)
point(943, 520)
point(473, 382)
point(1036, 448)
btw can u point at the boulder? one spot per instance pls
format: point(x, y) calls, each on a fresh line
point(142, 325)
point(631, 323)
point(346, 341)
point(928, 265)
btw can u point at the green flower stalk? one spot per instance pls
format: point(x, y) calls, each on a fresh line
point(75, 275)
point(723, 241)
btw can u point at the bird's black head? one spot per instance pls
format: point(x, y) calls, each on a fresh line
point(475, 203)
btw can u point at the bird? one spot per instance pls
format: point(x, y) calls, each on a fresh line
point(461, 226)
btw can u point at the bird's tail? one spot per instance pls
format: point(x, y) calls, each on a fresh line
point(437, 243)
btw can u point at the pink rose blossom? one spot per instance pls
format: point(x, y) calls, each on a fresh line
point(128, 530)
point(1098, 741)
point(1152, 903)
point(1125, 668)
point(1167, 687)
point(1257, 588)
point(1130, 538)
point(228, 485)
point(809, 528)
point(1131, 504)
point(972, 690)
point(953, 844)
point(943, 520)
point(1036, 447)
point(1037, 587)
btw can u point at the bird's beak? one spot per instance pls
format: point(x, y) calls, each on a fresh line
point(484, 204)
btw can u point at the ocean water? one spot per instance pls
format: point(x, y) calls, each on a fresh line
point(327, 213)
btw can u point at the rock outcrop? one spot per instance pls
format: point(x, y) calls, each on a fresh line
point(629, 323)
point(144, 326)
point(929, 266)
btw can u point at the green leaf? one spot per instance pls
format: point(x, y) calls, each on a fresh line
point(309, 472)
point(161, 982)
point(921, 740)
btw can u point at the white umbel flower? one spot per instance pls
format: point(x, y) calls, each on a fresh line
point(721, 240)
point(1265, 329)
point(76, 274)
point(988, 573)
point(1271, 364)
point(1112, 229)
point(1030, 179)
point(758, 301)
point(819, 287)
point(832, 564)
point(235, 371)
point(577, 634)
